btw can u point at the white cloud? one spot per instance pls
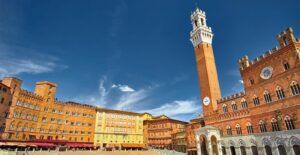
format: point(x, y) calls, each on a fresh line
point(123, 88)
point(241, 81)
point(98, 99)
point(128, 100)
point(124, 99)
point(175, 108)
point(16, 66)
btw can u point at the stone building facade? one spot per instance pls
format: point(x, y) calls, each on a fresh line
point(264, 118)
point(160, 129)
point(39, 116)
point(179, 141)
point(190, 134)
point(118, 129)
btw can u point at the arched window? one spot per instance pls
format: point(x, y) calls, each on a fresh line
point(262, 126)
point(228, 130)
point(249, 128)
point(238, 129)
point(225, 109)
point(256, 101)
point(289, 123)
point(275, 125)
point(295, 88)
point(233, 106)
point(280, 93)
point(267, 97)
point(202, 21)
point(244, 104)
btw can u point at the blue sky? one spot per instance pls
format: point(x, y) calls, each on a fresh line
point(134, 54)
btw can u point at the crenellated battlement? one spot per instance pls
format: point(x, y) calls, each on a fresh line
point(284, 39)
point(234, 96)
point(79, 104)
point(28, 94)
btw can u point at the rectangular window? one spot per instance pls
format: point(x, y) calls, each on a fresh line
point(73, 113)
point(19, 103)
point(286, 66)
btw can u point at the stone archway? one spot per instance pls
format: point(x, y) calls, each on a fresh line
point(214, 145)
point(281, 150)
point(295, 143)
point(203, 143)
point(268, 150)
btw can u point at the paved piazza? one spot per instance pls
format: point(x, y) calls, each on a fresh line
point(92, 153)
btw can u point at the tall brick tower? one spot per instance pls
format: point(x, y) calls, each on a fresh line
point(201, 37)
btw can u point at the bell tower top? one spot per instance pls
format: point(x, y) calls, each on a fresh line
point(201, 33)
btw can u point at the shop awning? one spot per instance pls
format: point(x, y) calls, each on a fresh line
point(88, 145)
point(113, 145)
point(42, 144)
point(133, 145)
point(74, 145)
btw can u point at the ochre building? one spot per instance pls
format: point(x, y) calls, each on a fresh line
point(190, 128)
point(160, 129)
point(118, 129)
point(38, 115)
point(264, 118)
point(179, 142)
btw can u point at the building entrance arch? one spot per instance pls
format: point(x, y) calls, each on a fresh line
point(214, 145)
point(281, 150)
point(232, 150)
point(203, 143)
point(268, 150)
point(296, 149)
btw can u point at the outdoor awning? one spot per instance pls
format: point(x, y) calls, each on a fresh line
point(88, 145)
point(113, 145)
point(133, 145)
point(42, 144)
point(74, 145)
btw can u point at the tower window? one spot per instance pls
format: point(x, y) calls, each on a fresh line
point(229, 131)
point(295, 88)
point(285, 41)
point(256, 101)
point(196, 23)
point(289, 123)
point(280, 93)
point(238, 129)
point(234, 106)
point(250, 128)
point(286, 66)
point(244, 104)
point(267, 97)
point(202, 21)
point(275, 125)
point(225, 109)
point(252, 81)
point(262, 126)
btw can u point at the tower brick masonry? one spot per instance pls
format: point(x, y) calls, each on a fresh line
point(262, 119)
